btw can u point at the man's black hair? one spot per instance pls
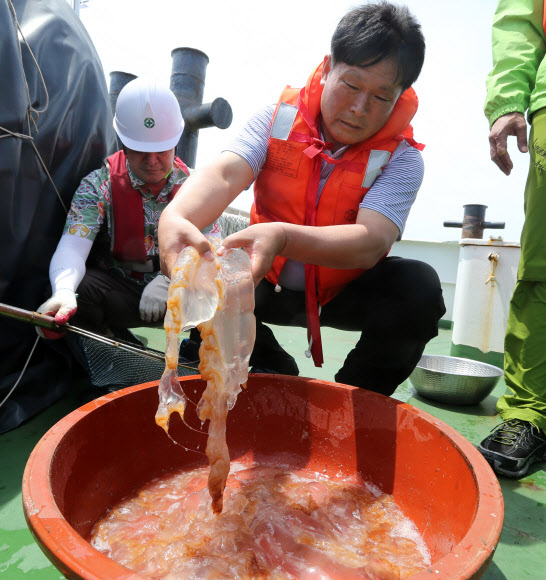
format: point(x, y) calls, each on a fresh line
point(372, 32)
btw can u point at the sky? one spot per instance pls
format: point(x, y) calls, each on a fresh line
point(257, 48)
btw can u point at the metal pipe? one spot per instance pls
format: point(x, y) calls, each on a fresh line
point(215, 114)
point(118, 79)
point(188, 84)
point(189, 68)
point(473, 222)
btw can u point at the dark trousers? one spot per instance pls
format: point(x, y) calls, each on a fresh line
point(108, 302)
point(396, 305)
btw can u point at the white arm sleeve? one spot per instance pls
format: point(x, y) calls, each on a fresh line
point(67, 267)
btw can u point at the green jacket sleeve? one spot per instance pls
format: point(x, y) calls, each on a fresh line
point(517, 81)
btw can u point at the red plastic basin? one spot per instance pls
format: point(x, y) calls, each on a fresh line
point(110, 447)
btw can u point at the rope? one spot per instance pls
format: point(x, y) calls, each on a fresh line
point(231, 223)
point(32, 113)
point(30, 108)
point(22, 373)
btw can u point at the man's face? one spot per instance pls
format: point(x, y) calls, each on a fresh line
point(357, 101)
point(150, 167)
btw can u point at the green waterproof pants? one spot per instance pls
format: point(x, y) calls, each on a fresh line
point(525, 344)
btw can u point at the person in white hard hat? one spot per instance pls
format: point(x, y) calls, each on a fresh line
point(108, 252)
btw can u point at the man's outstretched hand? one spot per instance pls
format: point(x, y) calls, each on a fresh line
point(175, 233)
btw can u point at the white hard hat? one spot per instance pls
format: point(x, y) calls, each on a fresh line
point(148, 116)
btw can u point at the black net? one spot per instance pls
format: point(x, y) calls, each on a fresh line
point(111, 365)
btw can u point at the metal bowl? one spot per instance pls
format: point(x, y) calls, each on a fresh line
point(453, 380)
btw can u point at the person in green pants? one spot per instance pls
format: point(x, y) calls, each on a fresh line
point(517, 84)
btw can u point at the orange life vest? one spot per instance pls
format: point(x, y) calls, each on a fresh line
point(286, 189)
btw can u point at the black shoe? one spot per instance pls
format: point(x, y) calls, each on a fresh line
point(263, 370)
point(189, 351)
point(125, 335)
point(513, 446)
point(269, 354)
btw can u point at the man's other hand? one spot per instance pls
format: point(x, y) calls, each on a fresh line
point(153, 302)
point(510, 124)
point(262, 242)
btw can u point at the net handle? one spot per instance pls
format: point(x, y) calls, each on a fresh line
point(44, 321)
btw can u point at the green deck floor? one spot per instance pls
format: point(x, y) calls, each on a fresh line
point(521, 552)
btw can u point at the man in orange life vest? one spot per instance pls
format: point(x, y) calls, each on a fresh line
point(335, 170)
point(108, 252)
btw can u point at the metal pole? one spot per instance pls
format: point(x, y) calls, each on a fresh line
point(189, 68)
point(48, 322)
point(473, 222)
point(118, 80)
